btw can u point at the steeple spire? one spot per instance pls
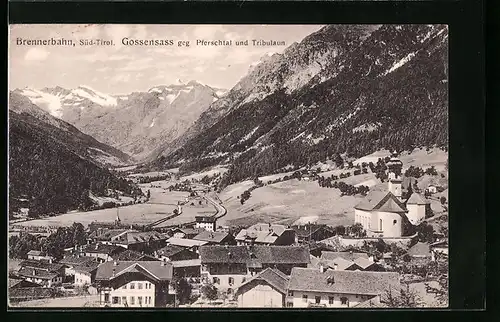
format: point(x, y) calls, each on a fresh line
point(394, 168)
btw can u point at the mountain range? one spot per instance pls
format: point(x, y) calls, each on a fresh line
point(135, 123)
point(345, 89)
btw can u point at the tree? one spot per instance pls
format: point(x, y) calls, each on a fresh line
point(425, 232)
point(183, 290)
point(148, 194)
point(79, 235)
point(442, 200)
point(340, 230)
point(209, 291)
point(357, 229)
point(403, 297)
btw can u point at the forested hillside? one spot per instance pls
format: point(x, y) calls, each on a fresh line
point(388, 91)
point(46, 173)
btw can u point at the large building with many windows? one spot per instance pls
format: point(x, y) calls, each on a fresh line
point(134, 283)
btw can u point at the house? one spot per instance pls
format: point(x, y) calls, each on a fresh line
point(188, 233)
point(432, 189)
point(106, 235)
point(206, 222)
point(175, 253)
point(386, 214)
point(266, 234)
point(20, 283)
point(189, 268)
point(131, 255)
point(147, 241)
point(317, 249)
point(311, 232)
point(134, 284)
point(85, 273)
point(39, 256)
point(72, 261)
point(350, 256)
point(102, 252)
point(266, 289)
point(215, 238)
point(41, 265)
point(41, 277)
point(227, 267)
point(190, 244)
point(337, 289)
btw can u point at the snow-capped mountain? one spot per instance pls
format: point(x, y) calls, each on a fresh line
point(64, 133)
point(135, 123)
point(343, 89)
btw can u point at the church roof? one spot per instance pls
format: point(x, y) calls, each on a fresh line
point(381, 201)
point(417, 199)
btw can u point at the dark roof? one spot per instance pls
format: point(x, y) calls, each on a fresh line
point(13, 282)
point(31, 292)
point(103, 249)
point(326, 255)
point(136, 237)
point(157, 270)
point(255, 254)
point(346, 282)
point(307, 230)
point(111, 233)
point(188, 231)
point(371, 303)
point(381, 201)
point(420, 250)
point(38, 273)
point(170, 250)
point(131, 255)
point(75, 260)
point(209, 236)
point(209, 219)
point(41, 265)
point(273, 277)
point(87, 267)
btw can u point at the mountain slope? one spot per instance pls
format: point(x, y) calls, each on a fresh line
point(136, 123)
point(66, 134)
point(382, 88)
point(48, 172)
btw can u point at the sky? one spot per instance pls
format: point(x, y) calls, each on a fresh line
point(122, 69)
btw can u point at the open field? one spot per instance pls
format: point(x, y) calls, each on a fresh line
point(62, 302)
point(418, 158)
point(286, 202)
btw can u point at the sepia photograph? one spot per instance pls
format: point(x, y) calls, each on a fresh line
point(228, 166)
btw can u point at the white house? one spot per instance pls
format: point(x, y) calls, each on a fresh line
point(266, 289)
point(134, 283)
point(206, 222)
point(39, 255)
point(337, 289)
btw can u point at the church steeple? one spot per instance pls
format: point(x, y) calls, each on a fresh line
point(394, 168)
point(117, 220)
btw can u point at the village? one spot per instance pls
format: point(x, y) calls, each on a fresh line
point(394, 254)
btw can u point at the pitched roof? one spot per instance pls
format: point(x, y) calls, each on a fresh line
point(327, 255)
point(363, 262)
point(75, 260)
point(381, 201)
point(370, 303)
point(38, 273)
point(417, 199)
point(184, 242)
point(112, 233)
point(103, 249)
point(262, 233)
point(211, 236)
point(420, 250)
point(13, 282)
point(186, 263)
point(170, 250)
point(41, 265)
point(273, 277)
point(157, 270)
point(87, 267)
point(131, 255)
point(36, 253)
point(188, 231)
point(255, 255)
point(346, 282)
point(340, 263)
point(137, 237)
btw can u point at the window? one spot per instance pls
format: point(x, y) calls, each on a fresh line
point(231, 281)
point(290, 293)
point(289, 304)
point(381, 225)
point(139, 300)
point(394, 222)
point(116, 300)
point(132, 286)
point(124, 286)
point(132, 300)
point(304, 298)
point(216, 280)
point(139, 286)
point(106, 297)
point(343, 300)
point(330, 300)
point(356, 295)
point(317, 299)
point(149, 299)
point(124, 300)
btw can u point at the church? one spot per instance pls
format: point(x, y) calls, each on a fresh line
point(386, 214)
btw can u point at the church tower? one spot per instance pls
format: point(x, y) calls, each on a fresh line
point(394, 168)
point(117, 220)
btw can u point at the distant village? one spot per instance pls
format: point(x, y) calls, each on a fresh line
point(373, 263)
